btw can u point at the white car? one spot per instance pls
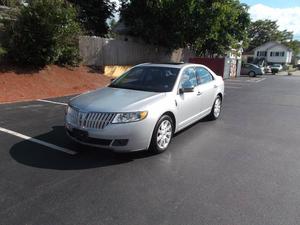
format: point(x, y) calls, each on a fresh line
point(276, 68)
point(145, 107)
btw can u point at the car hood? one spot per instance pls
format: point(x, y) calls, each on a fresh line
point(114, 100)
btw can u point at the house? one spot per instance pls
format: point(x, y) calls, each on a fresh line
point(121, 32)
point(273, 52)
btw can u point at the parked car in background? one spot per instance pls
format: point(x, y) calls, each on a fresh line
point(251, 70)
point(275, 68)
point(268, 69)
point(145, 107)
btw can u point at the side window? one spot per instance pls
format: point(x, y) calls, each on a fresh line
point(188, 78)
point(203, 76)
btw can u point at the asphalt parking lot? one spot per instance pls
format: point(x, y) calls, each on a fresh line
point(242, 169)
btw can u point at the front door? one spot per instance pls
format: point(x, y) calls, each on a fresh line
point(188, 102)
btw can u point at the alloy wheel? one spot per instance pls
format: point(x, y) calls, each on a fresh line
point(217, 107)
point(164, 134)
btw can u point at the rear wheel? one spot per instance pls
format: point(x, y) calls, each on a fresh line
point(216, 109)
point(162, 134)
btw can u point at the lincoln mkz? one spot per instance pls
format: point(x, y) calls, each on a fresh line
point(145, 107)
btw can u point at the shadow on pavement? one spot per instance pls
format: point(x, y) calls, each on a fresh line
point(36, 155)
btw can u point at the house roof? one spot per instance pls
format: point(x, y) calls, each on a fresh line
point(273, 44)
point(248, 53)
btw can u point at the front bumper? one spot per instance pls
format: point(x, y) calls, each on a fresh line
point(125, 137)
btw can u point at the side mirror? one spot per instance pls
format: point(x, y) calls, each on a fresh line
point(186, 90)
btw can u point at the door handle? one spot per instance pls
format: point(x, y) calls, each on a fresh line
point(215, 86)
point(199, 93)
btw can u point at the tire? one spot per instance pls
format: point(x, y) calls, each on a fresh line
point(161, 137)
point(252, 74)
point(216, 109)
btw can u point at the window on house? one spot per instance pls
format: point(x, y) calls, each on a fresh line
point(262, 53)
point(277, 54)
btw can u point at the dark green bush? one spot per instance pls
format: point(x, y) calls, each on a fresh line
point(2, 53)
point(45, 32)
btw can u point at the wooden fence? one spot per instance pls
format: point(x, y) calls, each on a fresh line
point(97, 51)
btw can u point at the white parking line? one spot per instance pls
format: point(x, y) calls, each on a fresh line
point(30, 106)
point(232, 87)
point(235, 83)
point(55, 147)
point(256, 80)
point(47, 101)
point(261, 79)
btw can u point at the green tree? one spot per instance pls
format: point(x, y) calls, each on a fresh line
point(93, 14)
point(10, 3)
point(262, 31)
point(158, 22)
point(209, 26)
point(294, 45)
point(44, 32)
point(222, 27)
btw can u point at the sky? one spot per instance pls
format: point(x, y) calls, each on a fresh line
point(286, 12)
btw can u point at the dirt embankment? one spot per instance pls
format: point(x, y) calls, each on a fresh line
point(53, 81)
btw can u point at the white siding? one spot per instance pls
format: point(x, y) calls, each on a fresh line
point(279, 59)
point(287, 58)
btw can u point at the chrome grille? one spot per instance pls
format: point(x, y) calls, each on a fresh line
point(94, 120)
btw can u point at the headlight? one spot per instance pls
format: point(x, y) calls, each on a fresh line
point(69, 110)
point(129, 117)
point(71, 115)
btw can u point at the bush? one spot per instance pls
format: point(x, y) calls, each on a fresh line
point(45, 32)
point(2, 53)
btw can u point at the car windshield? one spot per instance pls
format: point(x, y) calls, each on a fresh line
point(148, 78)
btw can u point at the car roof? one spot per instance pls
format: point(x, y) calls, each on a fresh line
point(170, 65)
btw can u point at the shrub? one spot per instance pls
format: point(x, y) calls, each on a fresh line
point(45, 32)
point(2, 53)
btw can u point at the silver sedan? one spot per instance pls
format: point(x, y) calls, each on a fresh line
point(145, 107)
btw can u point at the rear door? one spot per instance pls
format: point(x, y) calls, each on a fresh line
point(245, 69)
point(207, 87)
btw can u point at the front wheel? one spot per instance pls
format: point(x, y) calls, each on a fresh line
point(162, 134)
point(252, 74)
point(216, 109)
